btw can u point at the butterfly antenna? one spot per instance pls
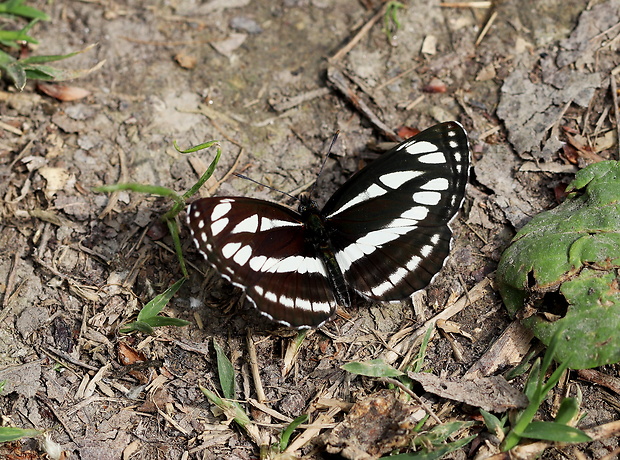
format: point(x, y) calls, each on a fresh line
point(329, 150)
point(265, 185)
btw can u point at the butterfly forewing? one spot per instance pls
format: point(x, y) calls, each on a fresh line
point(389, 223)
point(260, 247)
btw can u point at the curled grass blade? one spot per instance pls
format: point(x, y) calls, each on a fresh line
point(288, 432)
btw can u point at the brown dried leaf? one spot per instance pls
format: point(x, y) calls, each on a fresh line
point(493, 394)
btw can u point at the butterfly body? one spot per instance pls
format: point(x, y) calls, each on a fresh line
point(384, 234)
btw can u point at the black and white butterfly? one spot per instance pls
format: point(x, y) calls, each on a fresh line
point(384, 234)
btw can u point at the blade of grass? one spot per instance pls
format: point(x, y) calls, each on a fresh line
point(16, 8)
point(9, 433)
point(156, 305)
point(287, 433)
point(556, 432)
point(226, 372)
point(372, 368)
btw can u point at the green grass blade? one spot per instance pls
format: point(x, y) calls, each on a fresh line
point(287, 433)
point(16, 8)
point(173, 228)
point(556, 432)
point(156, 305)
point(140, 326)
point(160, 321)
point(372, 368)
point(419, 361)
point(9, 433)
point(568, 411)
point(207, 174)
point(226, 372)
point(493, 424)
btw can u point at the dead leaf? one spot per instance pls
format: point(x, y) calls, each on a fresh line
point(493, 394)
point(373, 427)
point(63, 93)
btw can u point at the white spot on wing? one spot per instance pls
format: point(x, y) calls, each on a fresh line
point(256, 263)
point(219, 225)
point(434, 158)
point(247, 225)
point(221, 210)
point(429, 198)
point(418, 147)
point(229, 249)
point(382, 288)
point(398, 178)
point(416, 213)
point(398, 276)
point(243, 255)
point(403, 223)
point(303, 304)
point(440, 183)
point(413, 263)
point(268, 224)
point(287, 301)
point(323, 307)
point(371, 192)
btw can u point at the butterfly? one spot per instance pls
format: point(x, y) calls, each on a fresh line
point(384, 234)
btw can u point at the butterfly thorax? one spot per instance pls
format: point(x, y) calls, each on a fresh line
point(317, 235)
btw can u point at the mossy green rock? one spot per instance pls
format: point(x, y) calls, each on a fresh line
point(561, 270)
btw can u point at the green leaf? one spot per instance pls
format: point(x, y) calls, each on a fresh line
point(568, 411)
point(565, 262)
point(229, 407)
point(373, 368)
point(152, 308)
point(557, 432)
point(9, 433)
point(160, 321)
point(16, 8)
point(418, 363)
point(493, 424)
point(140, 326)
point(226, 372)
point(207, 174)
point(440, 433)
point(288, 431)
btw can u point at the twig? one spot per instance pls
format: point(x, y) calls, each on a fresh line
point(338, 81)
point(260, 392)
point(67, 357)
point(486, 28)
point(232, 169)
point(355, 40)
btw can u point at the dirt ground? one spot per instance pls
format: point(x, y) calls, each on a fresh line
point(76, 265)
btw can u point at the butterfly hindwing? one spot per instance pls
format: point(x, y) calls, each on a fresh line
point(389, 223)
point(260, 247)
